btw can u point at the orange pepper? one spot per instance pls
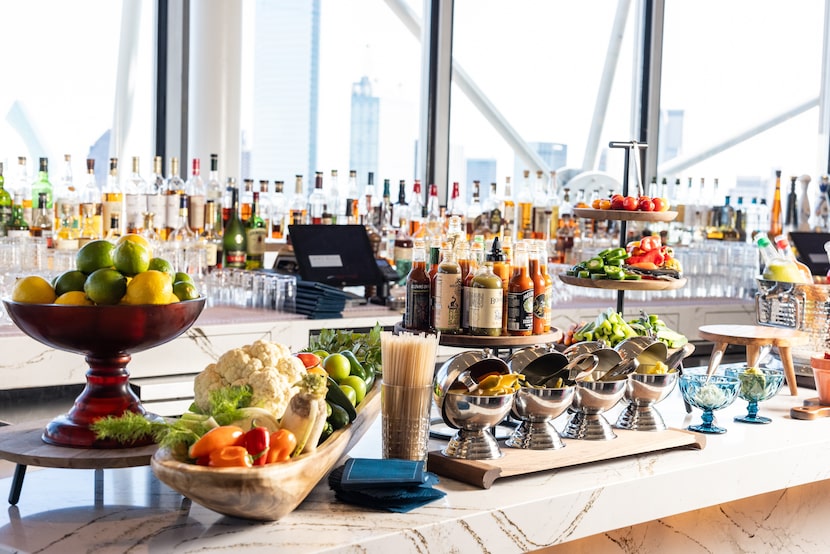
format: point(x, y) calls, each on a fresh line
point(230, 456)
point(216, 438)
point(283, 443)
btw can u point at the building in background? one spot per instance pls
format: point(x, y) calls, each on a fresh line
point(482, 170)
point(286, 81)
point(364, 126)
point(555, 154)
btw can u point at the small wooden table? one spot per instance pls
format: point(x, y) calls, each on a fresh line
point(753, 337)
point(22, 445)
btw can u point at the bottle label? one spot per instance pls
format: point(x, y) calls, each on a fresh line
point(416, 313)
point(403, 253)
point(256, 241)
point(520, 310)
point(465, 307)
point(135, 205)
point(211, 254)
point(171, 202)
point(446, 302)
point(156, 205)
point(539, 303)
point(485, 308)
point(235, 259)
point(197, 211)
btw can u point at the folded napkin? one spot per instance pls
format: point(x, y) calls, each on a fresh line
point(384, 493)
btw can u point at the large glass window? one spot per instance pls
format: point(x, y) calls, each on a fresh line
point(82, 84)
point(329, 85)
point(739, 98)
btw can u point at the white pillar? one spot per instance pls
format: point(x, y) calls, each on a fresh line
point(214, 97)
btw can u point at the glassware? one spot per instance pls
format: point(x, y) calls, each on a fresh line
point(708, 393)
point(756, 386)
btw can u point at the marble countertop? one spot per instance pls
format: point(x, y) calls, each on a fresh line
point(131, 511)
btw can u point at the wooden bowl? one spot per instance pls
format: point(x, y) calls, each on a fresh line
point(267, 492)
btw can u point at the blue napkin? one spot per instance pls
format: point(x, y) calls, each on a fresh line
point(401, 499)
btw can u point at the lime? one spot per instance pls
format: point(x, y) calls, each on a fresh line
point(33, 289)
point(74, 298)
point(359, 386)
point(182, 276)
point(150, 287)
point(94, 255)
point(160, 264)
point(138, 239)
point(105, 286)
point(185, 290)
point(350, 394)
point(337, 366)
point(131, 258)
point(72, 280)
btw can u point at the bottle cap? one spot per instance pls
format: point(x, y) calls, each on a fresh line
point(496, 254)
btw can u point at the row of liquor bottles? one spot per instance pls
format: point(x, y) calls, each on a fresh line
point(478, 288)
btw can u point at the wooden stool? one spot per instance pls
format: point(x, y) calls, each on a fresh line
point(753, 337)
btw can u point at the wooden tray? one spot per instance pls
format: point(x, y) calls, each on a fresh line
point(482, 473)
point(266, 492)
point(22, 445)
point(613, 284)
point(625, 215)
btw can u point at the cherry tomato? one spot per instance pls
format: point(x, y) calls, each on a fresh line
point(605, 204)
point(645, 204)
point(595, 204)
point(618, 202)
point(216, 438)
point(660, 204)
point(629, 203)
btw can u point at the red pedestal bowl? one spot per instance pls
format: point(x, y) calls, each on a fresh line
point(107, 336)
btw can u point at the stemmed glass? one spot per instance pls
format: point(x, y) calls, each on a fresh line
point(756, 386)
point(709, 393)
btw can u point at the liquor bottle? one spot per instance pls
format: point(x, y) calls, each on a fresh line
point(404, 246)
point(501, 267)
point(299, 205)
point(454, 205)
point(401, 213)
point(149, 230)
point(434, 259)
point(336, 200)
point(5, 204)
point(776, 225)
point(371, 203)
point(541, 206)
point(182, 234)
point(24, 187)
point(418, 209)
point(91, 195)
point(416, 315)
point(433, 220)
point(17, 227)
point(508, 209)
point(740, 220)
point(539, 290)
point(520, 295)
point(42, 224)
point(473, 211)
point(246, 199)
point(265, 205)
point(112, 200)
point(352, 200)
point(156, 198)
point(234, 247)
point(174, 187)
point(135, 198)
point(475, 258)
point(387, 231)
point(255, 234)
point(66, 193)
point(524, 209)
point(491, 210)
point(114, 231)
point(197, 195)
point(210, 238)
point(328, 215)
point(42, 184)
point(66, 236)
point(486, 302)
point(786, 251)
point(791, 215)
point(90, 226)
point(446, 294)
point(277, 211)
point(213, 190)
point(776, 266)
point(317, 200)
point(556, 208)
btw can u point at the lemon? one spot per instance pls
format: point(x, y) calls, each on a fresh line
point(149, 287)
point(160, 264)
point(105, 286)
point(72, 280)
point(74, 298)
point(185, 290)
point(138, 239)
point(130, 257)
point(33, 289)
point(94, 255)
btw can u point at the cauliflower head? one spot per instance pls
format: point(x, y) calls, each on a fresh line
point(268, 368)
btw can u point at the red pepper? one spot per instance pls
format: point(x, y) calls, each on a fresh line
point(283, 443)
point(653, 256)
point(650, 243)
point(230, 456)
point(257, 441)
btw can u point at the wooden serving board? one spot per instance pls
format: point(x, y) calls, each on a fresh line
point(613, 284)
point(22, 444)
point(625, 215)
point(516, 461)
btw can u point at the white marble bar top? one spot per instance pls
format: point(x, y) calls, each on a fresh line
point(59, 512)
